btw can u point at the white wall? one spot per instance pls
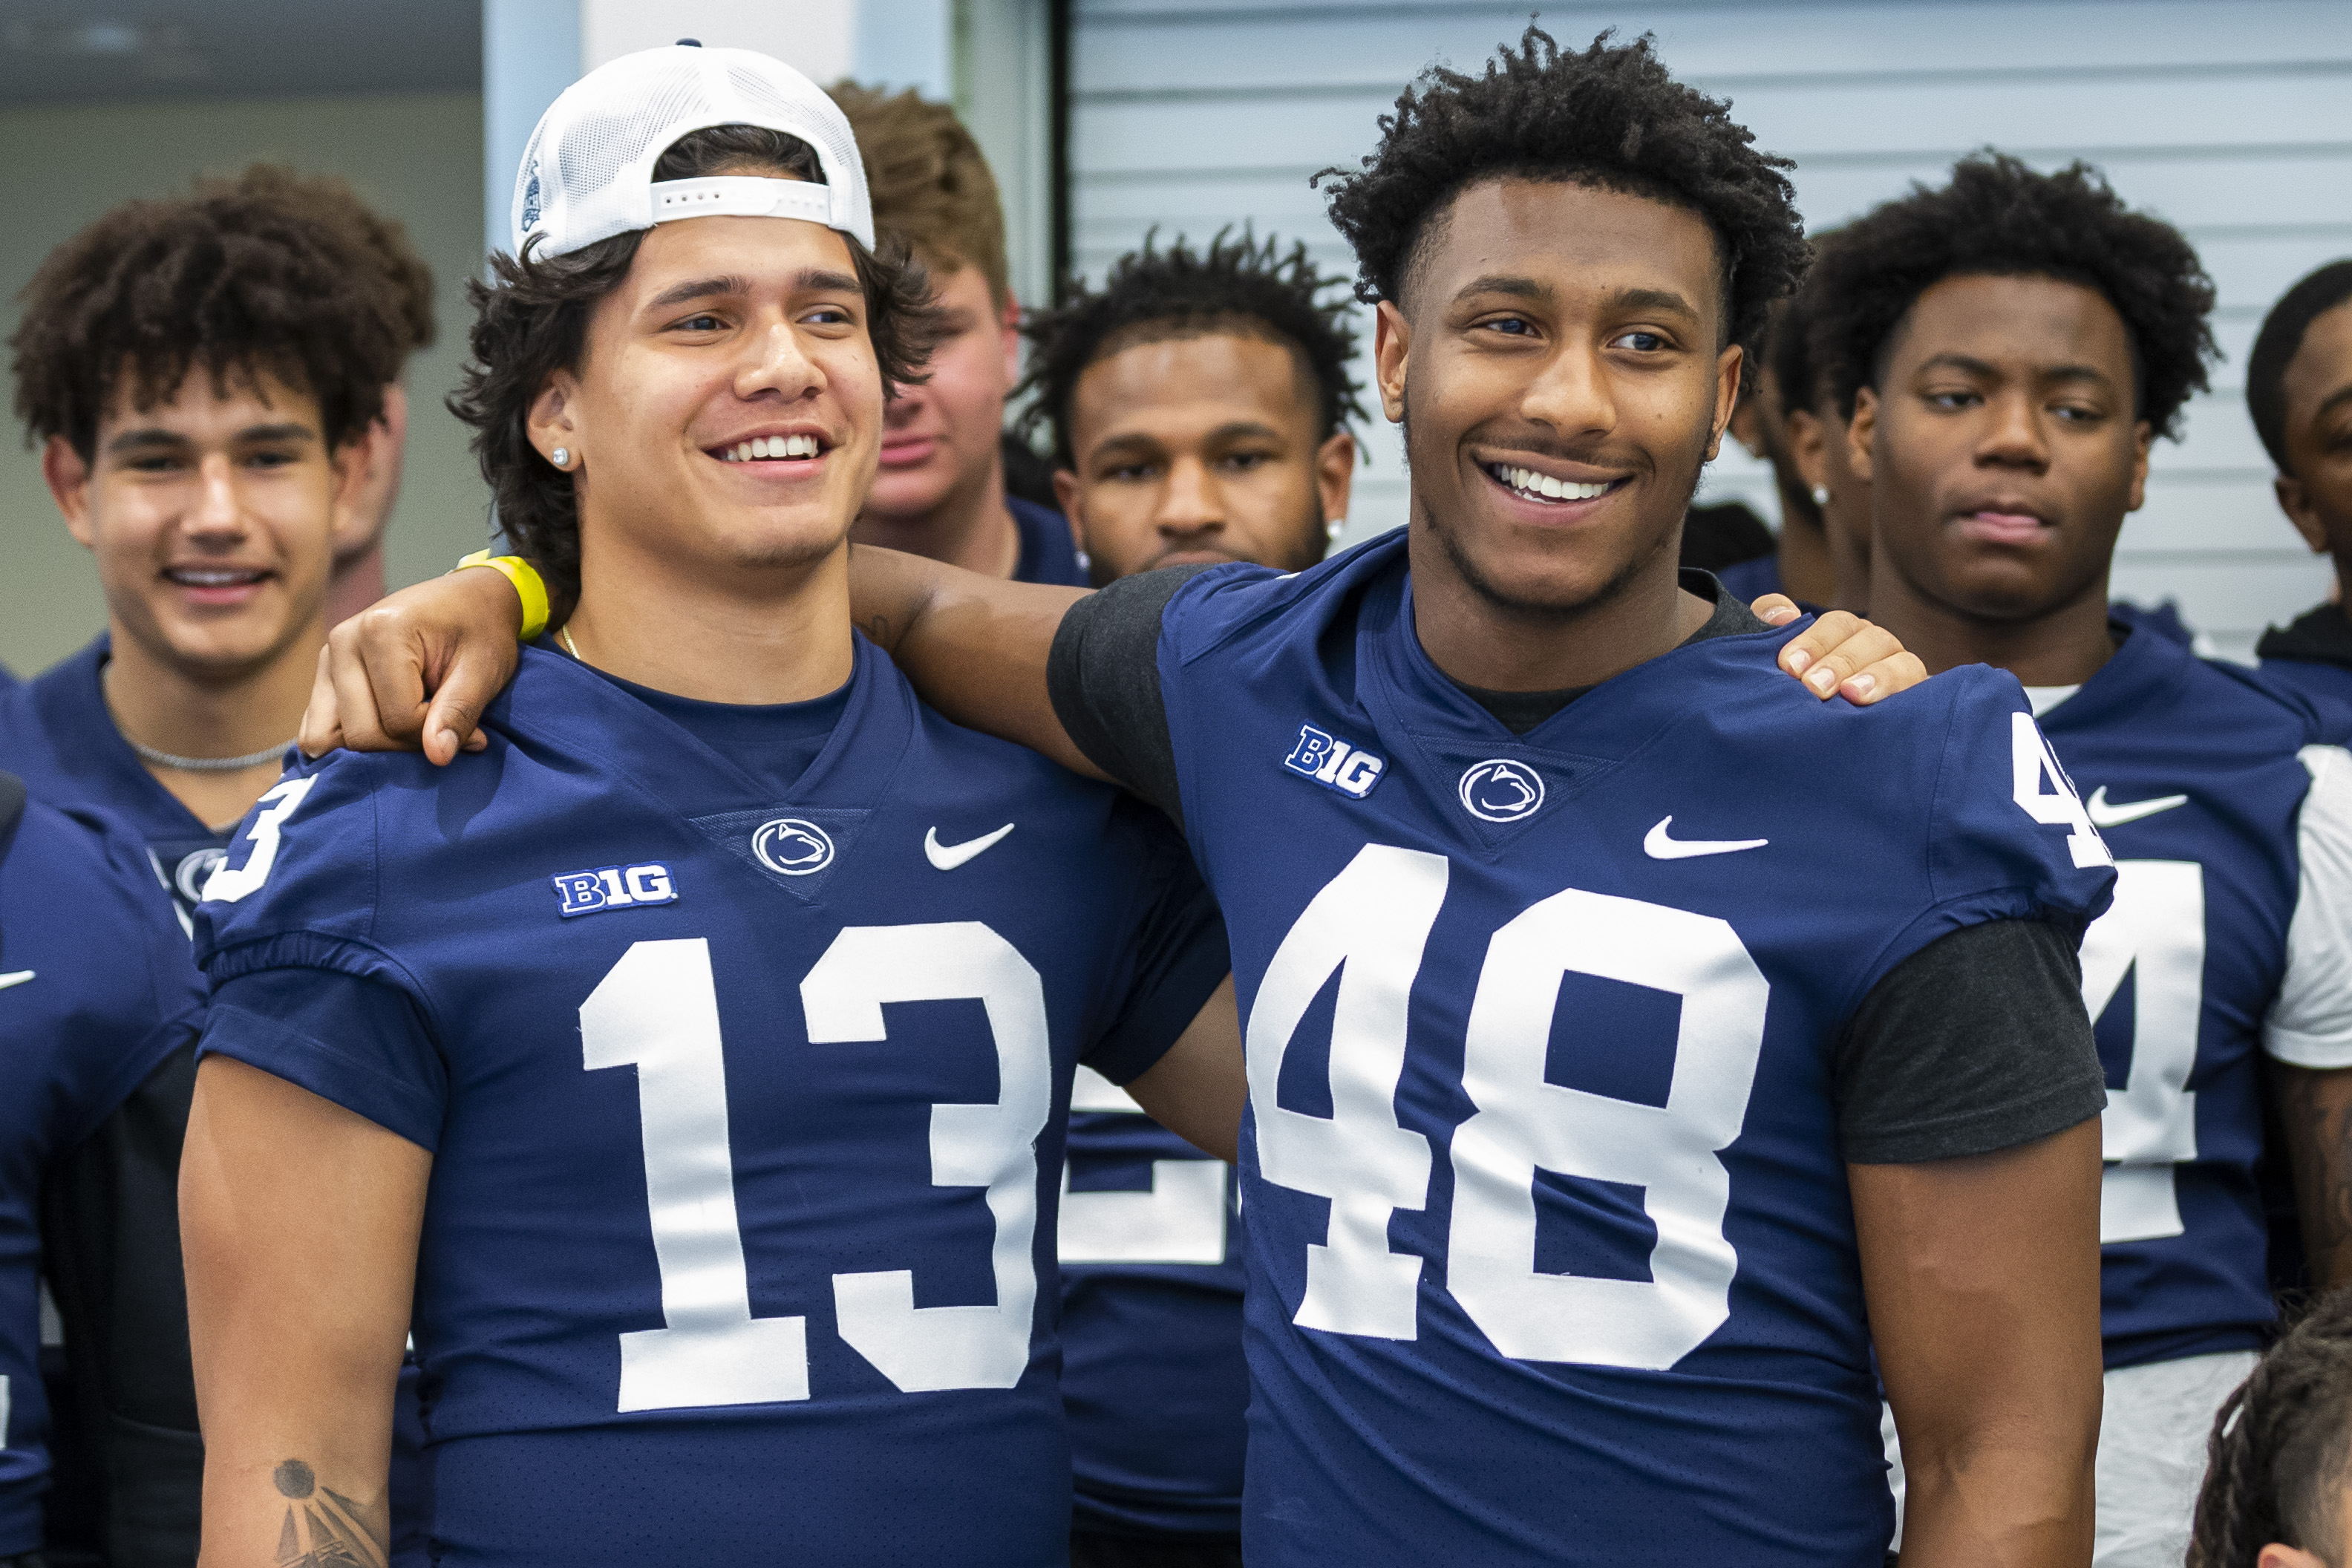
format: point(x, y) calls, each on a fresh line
point(417, 156)
point(2230, 119)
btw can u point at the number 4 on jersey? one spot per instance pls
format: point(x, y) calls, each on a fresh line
point(2031, 763)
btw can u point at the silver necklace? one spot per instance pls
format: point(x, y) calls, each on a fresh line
point(210, 764)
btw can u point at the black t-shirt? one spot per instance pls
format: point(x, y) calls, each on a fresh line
point(1976, 1043)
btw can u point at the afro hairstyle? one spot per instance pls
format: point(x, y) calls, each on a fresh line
point(1996, 218)
point(2276, 345)
point(1609, 116)
point(1243, 287)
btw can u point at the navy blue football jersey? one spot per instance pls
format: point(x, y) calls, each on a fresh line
point(2230, 933)
point(746, 1097)
point(96, 990)
point(57, 735)
point(1049, 550)
point(2327, 687)
point(1550, 1251)
point(1152, 1374)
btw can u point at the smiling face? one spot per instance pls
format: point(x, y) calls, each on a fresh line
point(1201, 449)
point(727, 406)
point(1560, 368)
point(2003, 447)
point(940, 438)
point(211, 518)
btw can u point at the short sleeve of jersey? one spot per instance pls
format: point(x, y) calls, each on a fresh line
point(1176, 956)
point(357, 1042)
point(1971, 1034)
point(287, 935)
point(2310, 1025)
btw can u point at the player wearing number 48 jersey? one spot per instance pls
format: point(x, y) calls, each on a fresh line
point(2012, 343)
point(694, 1061)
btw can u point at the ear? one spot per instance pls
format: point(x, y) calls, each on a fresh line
point(2142, 436)
point(365, 496)
point(1392, 346)
point(2277, 1556)
point(1808, 447)
point(1747, 425)
point(1726, 394)
point(551, 421)
point(1066, 494)
point(2295, 501)
point(1335, 475)
point(1012, 325)
point(67, 476)
point(1864, 427)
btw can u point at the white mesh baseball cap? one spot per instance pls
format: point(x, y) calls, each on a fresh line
point(588, 173)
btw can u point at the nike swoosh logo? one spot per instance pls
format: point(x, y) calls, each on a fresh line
point(2104, 816)
point(1658, 846)
point(948, 856)
point(18, 978)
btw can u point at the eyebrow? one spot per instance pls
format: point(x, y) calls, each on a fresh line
point(1967, 364)
point(2332, 401)
point(1233, 430)
point(1503, 283)
point(153, 437)
point(1664, 299)
point(713, 287)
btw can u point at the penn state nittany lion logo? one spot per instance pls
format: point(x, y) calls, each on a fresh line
point(791, 846)
point(1500, 790)
point(195, 869)
point(531, 197)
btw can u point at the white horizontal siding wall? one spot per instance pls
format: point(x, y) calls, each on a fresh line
point(2230, 117)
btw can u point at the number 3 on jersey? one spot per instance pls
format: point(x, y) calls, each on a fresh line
point(1370, 924)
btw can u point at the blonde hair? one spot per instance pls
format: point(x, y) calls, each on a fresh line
point(932, 186)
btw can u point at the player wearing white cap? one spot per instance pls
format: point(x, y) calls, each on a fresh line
point(693, 1062)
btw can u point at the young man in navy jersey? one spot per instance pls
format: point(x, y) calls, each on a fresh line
point(1639, 1054)
point(940, 490)
point(2299, 391)
point(207, 375)
point(78, 1038)
point(2012, 343)
point(694, 1058)
point(1198, 405)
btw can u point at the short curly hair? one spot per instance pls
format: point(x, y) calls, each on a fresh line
point(1998, 218)
point(240, 279)
point(532, 321)
point(1787, 344)
point(1609, 116)
point(2276, 345)
point(382, 239)
point(1240, 286)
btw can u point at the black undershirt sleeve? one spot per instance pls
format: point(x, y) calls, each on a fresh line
point(1104, 677)
point(1976, 1043)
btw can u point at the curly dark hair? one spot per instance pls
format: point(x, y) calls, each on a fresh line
point(1787, 344)
point(1610, 117)
point(381, 239)
point(1240, 286)
point(240, 279)
point(532, 321)
point(2276, 344)
point(1998, 218)
point(2280, 1446)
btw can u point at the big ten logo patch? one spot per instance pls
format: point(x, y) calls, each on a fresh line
point(613, 888)
point(1334, 763)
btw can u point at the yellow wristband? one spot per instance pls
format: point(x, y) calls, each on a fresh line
point(528, 585)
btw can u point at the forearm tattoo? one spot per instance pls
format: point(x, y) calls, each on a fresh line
point(323, 1528)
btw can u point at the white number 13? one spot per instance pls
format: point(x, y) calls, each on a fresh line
point(657, 1010)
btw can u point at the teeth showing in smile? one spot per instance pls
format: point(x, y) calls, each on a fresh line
point(760, 446)
point(1543, 487)
point(213, 576)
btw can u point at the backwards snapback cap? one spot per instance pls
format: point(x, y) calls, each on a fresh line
point(588, 173)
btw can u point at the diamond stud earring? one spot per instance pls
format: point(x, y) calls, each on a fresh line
point(1335, 528)
point(1820, 492)
point(561, 457)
